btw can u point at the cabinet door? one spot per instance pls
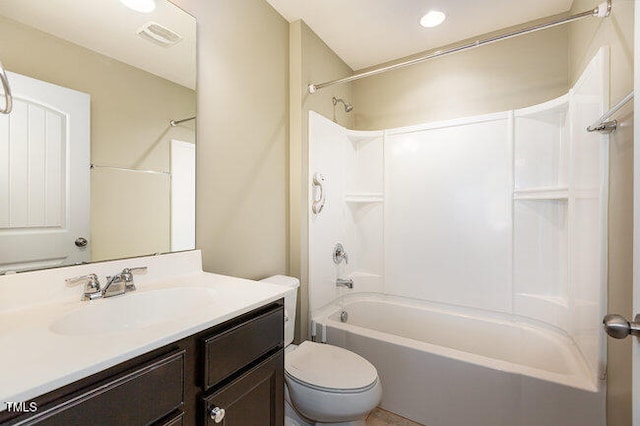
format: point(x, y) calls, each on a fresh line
point(254, 399)
point(139, 397)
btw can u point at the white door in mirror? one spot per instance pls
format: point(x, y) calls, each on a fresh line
point(44, 176)
point(183, 195)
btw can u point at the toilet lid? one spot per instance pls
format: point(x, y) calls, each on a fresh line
point(329, 367)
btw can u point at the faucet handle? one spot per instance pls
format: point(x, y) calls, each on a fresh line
point(90, 280)
point(127, 273)
point(127, 276)
point(136, 270)
point(91, 283)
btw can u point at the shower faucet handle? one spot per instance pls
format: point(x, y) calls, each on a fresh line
point(339, 254)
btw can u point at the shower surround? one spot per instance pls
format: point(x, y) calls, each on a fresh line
point(499, 218)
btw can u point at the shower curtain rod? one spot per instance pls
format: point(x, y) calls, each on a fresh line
point(601, 11)
point(604, 124)
point(174, 123)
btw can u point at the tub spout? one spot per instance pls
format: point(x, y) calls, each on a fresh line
point(344, 282)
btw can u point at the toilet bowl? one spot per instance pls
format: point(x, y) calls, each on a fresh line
point(324, 384)
point(328, 384)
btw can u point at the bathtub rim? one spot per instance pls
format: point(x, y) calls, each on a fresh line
point(579, 377)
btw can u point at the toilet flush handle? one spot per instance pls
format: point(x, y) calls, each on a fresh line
point(217, 414)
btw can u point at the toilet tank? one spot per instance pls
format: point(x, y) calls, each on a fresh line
point(289, 303)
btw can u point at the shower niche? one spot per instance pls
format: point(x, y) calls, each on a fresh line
point(365, 200)
point(560, 213)
point(540, 211)
point(365, 184)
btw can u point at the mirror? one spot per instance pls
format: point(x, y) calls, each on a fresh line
point(90, 167)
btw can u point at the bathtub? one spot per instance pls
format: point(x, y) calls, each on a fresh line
point(441, 367)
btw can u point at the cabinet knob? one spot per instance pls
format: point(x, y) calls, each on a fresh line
point(217, 414)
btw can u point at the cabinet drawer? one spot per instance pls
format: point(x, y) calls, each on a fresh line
point(138, 397)
point(256, 398)
point(234, 349)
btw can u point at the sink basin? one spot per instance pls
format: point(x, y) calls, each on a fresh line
point(134, 311)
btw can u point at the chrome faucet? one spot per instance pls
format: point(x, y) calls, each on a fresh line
point(344, 282)
point(122, 282)
point(117, 284)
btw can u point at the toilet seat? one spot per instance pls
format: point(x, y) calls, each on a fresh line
point(330, 369)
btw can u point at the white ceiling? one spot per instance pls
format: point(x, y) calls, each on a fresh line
point(109, 28)
point(369, 32)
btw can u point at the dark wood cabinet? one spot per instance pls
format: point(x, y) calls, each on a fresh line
point(237, 366)
point(253, 399)
point(156, 386)
point(232, 350)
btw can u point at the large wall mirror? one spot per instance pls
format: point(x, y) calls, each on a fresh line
point(92, 167)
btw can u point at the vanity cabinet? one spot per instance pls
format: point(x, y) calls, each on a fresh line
point(236, 367)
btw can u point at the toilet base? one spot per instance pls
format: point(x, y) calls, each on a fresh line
point(292, 418)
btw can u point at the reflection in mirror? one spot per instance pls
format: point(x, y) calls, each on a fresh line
point(90, 167)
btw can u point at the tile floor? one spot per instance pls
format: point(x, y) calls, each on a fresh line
point(380, 417)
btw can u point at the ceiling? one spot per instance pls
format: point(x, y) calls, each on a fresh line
point(83, 23)
point(370, 32)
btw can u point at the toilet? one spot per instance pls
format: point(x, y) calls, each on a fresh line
point(324, 384)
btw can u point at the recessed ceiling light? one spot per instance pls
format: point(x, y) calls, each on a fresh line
point(144, 6)
point(433, 18)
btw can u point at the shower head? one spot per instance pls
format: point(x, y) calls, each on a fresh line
point(347, 106)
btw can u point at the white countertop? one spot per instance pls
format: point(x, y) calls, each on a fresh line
point(35, 360)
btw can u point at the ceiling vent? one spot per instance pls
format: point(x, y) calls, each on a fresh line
point(157, 34)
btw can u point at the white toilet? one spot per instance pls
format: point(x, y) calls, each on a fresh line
point(325, 384)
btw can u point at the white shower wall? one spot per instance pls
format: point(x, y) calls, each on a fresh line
point(448, 212)
point(352, 164)
point(501, 213)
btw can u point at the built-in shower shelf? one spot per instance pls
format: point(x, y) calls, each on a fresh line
point(552, 111)
point(544, 193)
point(359, 136)
point(364, 197)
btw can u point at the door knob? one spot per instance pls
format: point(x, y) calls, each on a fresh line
point(618, 327)
point(81, 242)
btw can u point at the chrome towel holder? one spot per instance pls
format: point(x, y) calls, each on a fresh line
point(604, 124)
point(318, 181)
point(7, 91)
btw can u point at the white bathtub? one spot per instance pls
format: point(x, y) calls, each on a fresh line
point(443, 368)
